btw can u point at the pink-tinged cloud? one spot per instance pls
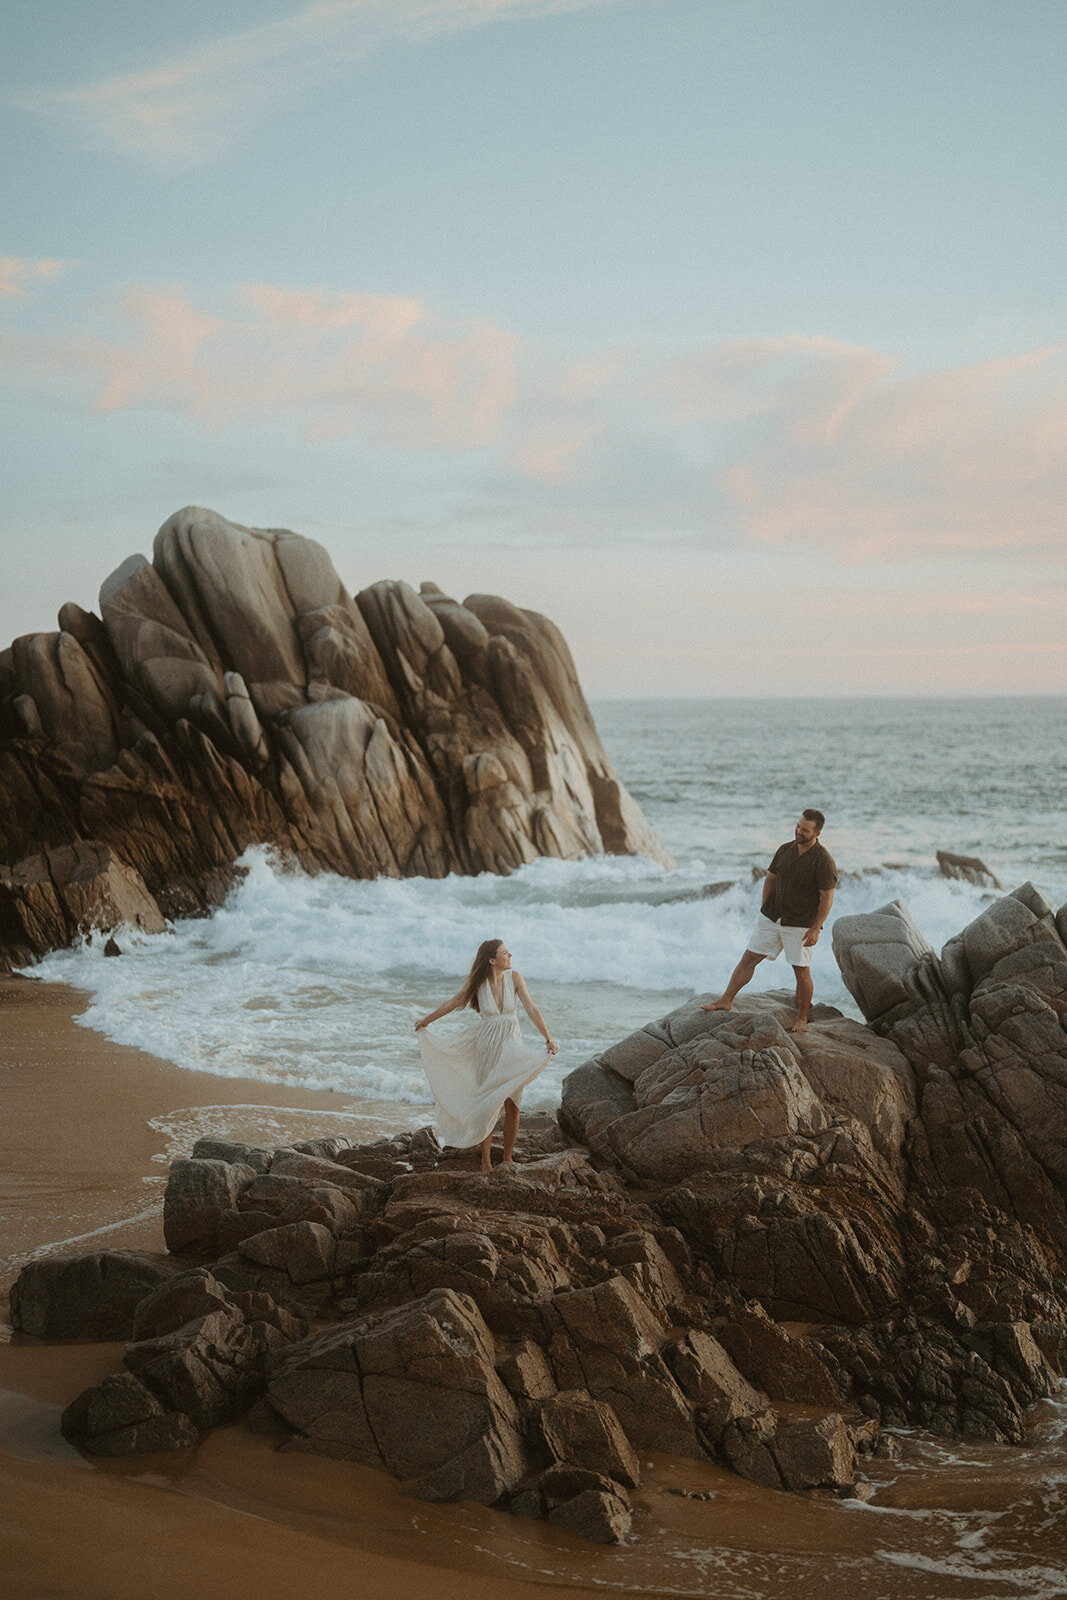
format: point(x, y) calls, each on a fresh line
point(190, 108)
point(739, 379)
point(840, 447)
point(19, 275)
point(552, 456)
point(165, 368)
point(417, 378)
point(801, 440)
point(330, 366)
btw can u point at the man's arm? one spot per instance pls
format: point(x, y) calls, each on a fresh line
point(826, 900)
point(768, 888)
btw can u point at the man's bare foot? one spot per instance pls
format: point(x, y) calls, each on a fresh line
point(721, 1004)
point(798, 1027)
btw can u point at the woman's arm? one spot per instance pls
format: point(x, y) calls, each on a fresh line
point(442, 1011)
point(532, 1012)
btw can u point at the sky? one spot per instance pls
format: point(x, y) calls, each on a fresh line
point(730, 336)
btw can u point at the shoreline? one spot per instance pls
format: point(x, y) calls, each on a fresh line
point(90, 1126)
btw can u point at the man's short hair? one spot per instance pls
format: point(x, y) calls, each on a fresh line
point(815, 816)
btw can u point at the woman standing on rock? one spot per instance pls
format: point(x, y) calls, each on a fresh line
point(483, 1070)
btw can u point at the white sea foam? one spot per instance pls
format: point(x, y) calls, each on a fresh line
point(316, 981)
point(269, 1126)
point(1032, 1582)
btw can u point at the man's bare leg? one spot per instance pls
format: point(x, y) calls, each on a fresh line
point(805, 990)
point(738, 978)
point(511, 1129)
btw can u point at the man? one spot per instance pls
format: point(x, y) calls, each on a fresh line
point(798, 892)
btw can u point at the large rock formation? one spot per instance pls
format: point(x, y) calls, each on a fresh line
point(232, 693)
point(763, 1248)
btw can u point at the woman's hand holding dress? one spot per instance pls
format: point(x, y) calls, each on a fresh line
point(473, 1071)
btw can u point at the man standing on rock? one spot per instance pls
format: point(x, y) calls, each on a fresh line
point(798, 892)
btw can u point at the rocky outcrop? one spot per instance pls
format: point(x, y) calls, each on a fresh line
point(784, 1149)
point(702, 1091)
point(47, 901)
point(928, 1004)
point(90, 1295)
point(901, 1185)
point(516, 1339)
point(120, 1416)
point(736, 1244)
point(982, 1027)
point(196, 1358)
point(231, 692)
point(969, 868)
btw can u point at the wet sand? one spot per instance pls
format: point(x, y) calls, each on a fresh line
point(86, 1132)
point(89, 1126)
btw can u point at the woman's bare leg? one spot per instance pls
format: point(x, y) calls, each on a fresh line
point(511, 1128)
point(487, 1152)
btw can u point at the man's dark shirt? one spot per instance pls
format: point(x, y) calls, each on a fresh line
point(800, 879)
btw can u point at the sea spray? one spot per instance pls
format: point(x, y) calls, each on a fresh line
point(316, 981)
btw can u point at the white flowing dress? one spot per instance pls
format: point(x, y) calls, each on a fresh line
point(474, 1070)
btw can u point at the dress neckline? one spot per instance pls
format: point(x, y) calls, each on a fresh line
point(503, 992)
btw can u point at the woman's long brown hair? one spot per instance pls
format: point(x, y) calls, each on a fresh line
point(479, 972)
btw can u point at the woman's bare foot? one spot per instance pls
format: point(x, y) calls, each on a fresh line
point(798, 1027)
point(721, 1004)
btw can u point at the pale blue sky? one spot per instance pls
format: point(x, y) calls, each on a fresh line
point(731, 336)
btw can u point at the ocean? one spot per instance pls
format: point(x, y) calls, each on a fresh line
point(317, 981)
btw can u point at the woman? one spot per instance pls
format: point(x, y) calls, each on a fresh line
point(485, 1067)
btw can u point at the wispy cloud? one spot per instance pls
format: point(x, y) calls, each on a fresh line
point(19, 275)
point(190, 108)
point(798, 440)
point(329, 366)
point(850, 452)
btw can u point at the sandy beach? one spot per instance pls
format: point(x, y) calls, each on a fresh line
point(87, 1129)
point(90, 1125)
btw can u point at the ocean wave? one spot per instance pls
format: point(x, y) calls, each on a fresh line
point(315, 981)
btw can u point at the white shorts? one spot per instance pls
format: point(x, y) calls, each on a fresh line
point(770, 939)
